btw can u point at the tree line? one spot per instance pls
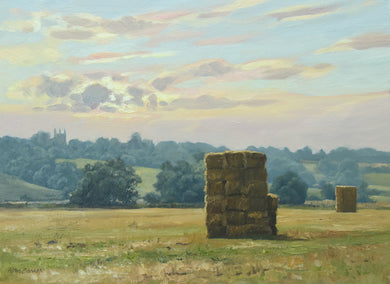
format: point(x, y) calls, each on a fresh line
point(181, 178)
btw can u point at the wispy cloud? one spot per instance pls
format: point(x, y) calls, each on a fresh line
point(218, 70)
point(360, 42)
point(163, 16)
point(207, 102)
point(302, 12)
point(239, 4)
point(108, 57)
point(87, 26)
point(209, 15)
point(279, 69)
point(202, 102)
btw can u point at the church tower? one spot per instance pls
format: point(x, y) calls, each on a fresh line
point(59, 138)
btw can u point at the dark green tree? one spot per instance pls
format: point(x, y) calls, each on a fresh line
point(111, 183)
point(290, 188)
point(348, 173)
point(363, 193)
point(328, 191)
point(327, 167)
point(181, 182)
point(152, 198)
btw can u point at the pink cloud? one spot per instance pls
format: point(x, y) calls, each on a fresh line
point(164, 15)
point(304, 11)
point(105, 56)
point(370, 40)
point(360, 42)
point(213, 15)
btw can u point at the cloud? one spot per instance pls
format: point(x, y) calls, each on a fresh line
point(151, 102)
point(81, 20)
point(129, 25)
point(302, 12)
point(360, 42)
point(25, 22)
point(208, 102)
point(93, 95)
point(162, 83)
point(201, 69)
point(73, 34)
point(202, 102)
point(108, 92)
point(86, 26)
point(58, 107)
point(24, 26)
point(218, 70)
point(109, 109)
point(213, 15)
point(78, 93)
point(28, 54)
point(80, 107)
point(108, 57)
point(97, 75)
point(137, 94)
point(55, 88)
point(224, 40)
point(239, 4)
point(163, 16)
point(279, 69)
point(212, 68)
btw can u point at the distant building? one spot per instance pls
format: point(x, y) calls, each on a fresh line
point(59, 138)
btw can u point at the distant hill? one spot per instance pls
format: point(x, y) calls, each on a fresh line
point(14, 189)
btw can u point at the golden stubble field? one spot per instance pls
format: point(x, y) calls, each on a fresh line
point(170, 246)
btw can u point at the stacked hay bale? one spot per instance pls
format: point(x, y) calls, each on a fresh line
point(346, 198)
point(237, 200)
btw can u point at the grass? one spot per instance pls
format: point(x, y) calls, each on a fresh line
point(148, 175)
point(378, 179)
point(12, 189)
point(313, 193)
point(170, 245)
point(311, 166)
point(380, 198)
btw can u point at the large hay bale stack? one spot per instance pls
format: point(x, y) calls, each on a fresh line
point(346, 198)
point(237, 201)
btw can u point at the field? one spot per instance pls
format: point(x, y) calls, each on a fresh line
point(12, 189)
point(311, 166)
point(149, 177)
point(379, 181)
point(170, 246)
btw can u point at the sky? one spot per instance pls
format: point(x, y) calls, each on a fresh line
point(233, 73)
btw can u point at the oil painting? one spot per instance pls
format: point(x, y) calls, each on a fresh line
point(226, 141)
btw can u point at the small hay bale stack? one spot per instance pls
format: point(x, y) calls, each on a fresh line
point(346, 198)
point(237, 201)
